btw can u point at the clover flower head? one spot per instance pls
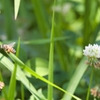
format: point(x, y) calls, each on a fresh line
point(92, 51)
point(95, 91)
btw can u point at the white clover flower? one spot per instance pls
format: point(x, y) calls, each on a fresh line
point(92, 51)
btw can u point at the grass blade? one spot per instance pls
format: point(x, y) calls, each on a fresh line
point(24, 67)
point(12, 86)
point(75, 79)
point(41, 41)
point(20, 75)
point(50, 76)
point(16, 6)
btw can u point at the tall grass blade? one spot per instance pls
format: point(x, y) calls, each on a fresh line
point(12, 86)
point(16, 7)
point(75, 79)
point(50, 75)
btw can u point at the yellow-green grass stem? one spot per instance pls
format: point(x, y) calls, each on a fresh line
point(50, 76)
point(12, 86)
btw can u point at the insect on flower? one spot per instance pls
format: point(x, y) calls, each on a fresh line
point(9, 47)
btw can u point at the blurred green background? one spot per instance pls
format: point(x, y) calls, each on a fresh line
point(77, 24)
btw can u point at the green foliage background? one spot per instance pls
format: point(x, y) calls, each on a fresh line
point(76, 25)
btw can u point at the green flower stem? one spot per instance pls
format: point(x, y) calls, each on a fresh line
point(87, 98)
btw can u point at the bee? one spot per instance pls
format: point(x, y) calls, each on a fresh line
point(9, 47)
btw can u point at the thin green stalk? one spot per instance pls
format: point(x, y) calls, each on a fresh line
point(22, 91)
point(12, 86)
point(13, 78)
point(50, 77)
point(87, 98)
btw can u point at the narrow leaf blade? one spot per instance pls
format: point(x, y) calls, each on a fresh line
point(16, 6)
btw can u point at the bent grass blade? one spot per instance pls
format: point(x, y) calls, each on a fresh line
point(20, 76)
point(24, 67)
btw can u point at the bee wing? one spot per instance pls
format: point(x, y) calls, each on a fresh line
point(12, 44)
